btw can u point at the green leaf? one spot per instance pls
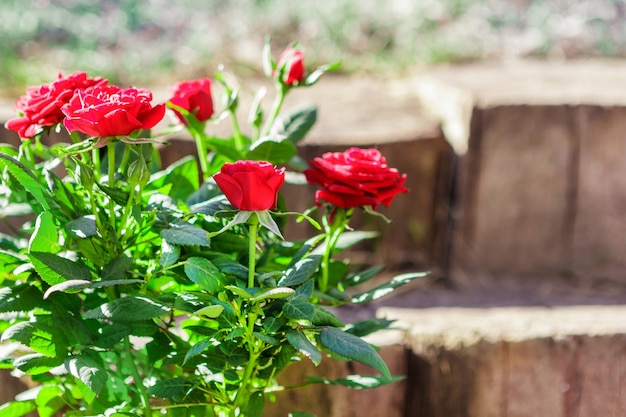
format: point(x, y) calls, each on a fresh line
point(275, 149)
point(356, 381)
point(88, 371)
point(306, 289)
point(169, 253)
point(298, 309)
point(270, 340)
point(130, 308)
point(387, 287)
point(76, 285)
point(256, 403)
point(182, 174)
point(273, 293)
point(55, 269)
point(117, 268)
point(315, 75)
point(45, 238)
point(298, 340)
point(111, 334)
point(297, 124)
point(204, 273)
point(17, 408)
point(346, 240)
point(183, 233)
point(119, 196)
point(168, 388)
point(82, 227)
point(36, 363)
point(198, 348)
point(39, 337)
point(23, 297)
point(49, 400)
point(239, 291)
point(354, 348)
point(365, 327)
point(28, 180)
point(71, 286)
point(323, 317)
point(301, 271)
point(224, 147)
point(361, 277)
point(212, 312)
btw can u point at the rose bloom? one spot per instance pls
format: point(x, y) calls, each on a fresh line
point(251, 185)
point(106, 111)
point(355, 178)
point(41, 106)
point(195, 97)
point(291, 66)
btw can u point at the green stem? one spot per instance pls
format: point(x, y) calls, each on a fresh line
point(236, 131)
point(202, 152)
point(333, 232)
point(127, 211)
point(253, 221)
point(111, 173)
point(25, 153)
point(95, 157)
point(145, 400)
point(276, 106)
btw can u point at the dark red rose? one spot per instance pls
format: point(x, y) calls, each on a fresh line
point(290, 66)
point(251, 185)
point(195, 97)
point(107, 111)
point(355, 178)
point(41, 106)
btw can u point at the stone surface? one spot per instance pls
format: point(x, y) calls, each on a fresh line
point(518, 362)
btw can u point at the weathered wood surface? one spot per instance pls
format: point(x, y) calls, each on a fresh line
point(541, 183)
point(515, 362)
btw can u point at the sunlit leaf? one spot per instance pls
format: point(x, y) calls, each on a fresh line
point(352, 347)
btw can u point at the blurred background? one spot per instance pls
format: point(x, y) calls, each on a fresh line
point(156, 41)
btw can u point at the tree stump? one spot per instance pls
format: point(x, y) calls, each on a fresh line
point(515, 362)
point(541, 188)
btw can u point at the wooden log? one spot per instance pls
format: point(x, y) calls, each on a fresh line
point(540, 183)
point(517, 362)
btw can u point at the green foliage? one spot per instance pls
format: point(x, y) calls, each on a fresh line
point(133, 296)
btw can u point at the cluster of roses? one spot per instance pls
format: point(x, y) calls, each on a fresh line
point(91, 106)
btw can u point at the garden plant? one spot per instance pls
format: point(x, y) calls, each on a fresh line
point(132, 289)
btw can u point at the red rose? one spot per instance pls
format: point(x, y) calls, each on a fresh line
point(195, 97)
point(355, 178)
point(106, 111)
point(41, 106)
point(290, 66)
point(251, 185)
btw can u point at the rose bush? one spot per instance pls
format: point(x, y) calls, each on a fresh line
point(355, 178)
point(195, 97)
point(136, 290)
point(41, 106)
